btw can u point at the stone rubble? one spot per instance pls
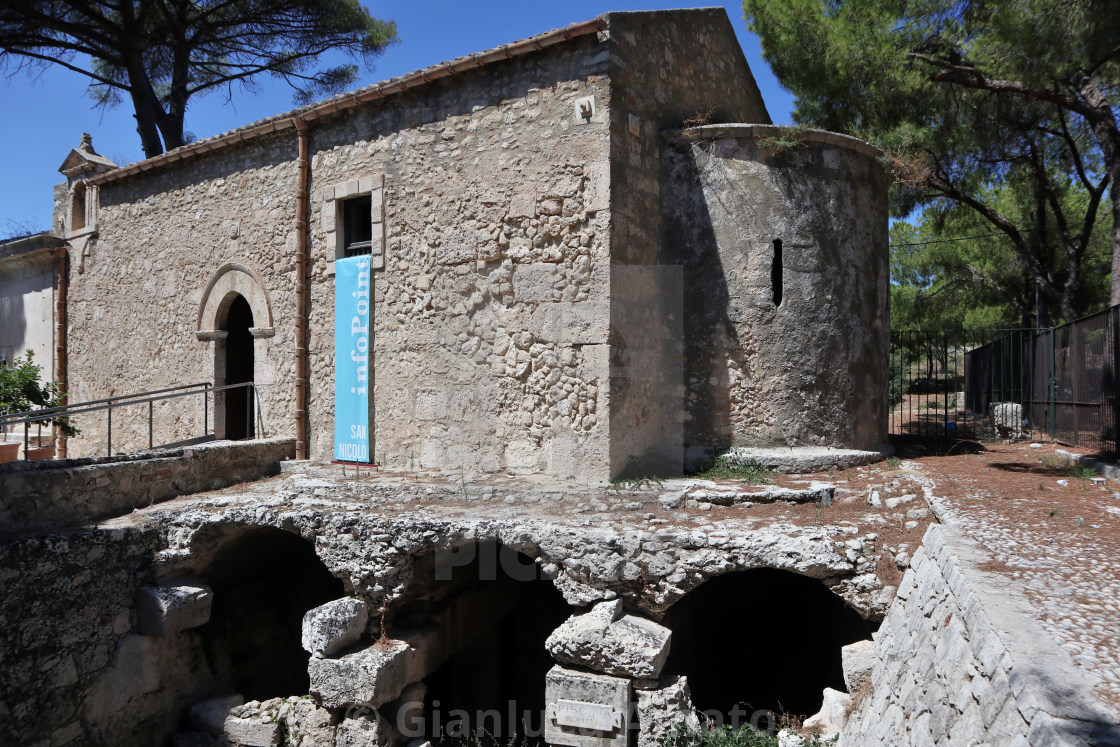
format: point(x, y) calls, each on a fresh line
point(373, 675)
point(374, 534)
point(612, 643)
point(333, 626)
point(167, 609)
point(663, 709)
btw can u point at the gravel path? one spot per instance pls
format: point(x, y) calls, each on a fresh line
point(1061, 541)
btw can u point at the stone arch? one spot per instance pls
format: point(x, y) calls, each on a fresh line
point(486, 610)
point(231, 281)
point(264, 580)
point(778, 635)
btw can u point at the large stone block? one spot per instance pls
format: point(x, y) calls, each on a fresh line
point(334, 626)
point(364, 732)
point(371, 677)
point(1007, 417)
point(252, 725)
point(586, 710)
point(306, 725)
point(169, 608)
point(133, 674)
point(597, 196)
point(662, 710)
point(584, 323)
point(607, 641)
point(859, 659)
point(534, 283)
point(833, 715)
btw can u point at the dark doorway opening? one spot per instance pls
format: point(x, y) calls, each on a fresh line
point(239, 370)
point(765, 639)
point(264, 582)
point(494, 614)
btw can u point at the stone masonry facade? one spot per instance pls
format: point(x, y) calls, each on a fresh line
point(529, 308)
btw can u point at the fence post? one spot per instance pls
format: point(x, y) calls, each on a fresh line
point(150, 405)
point(945, 376)
point(109, 438)
point(1053, 388)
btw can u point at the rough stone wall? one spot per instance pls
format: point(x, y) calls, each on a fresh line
point(812, 369)
point(133, 310)
point(490, 347)
point(67, 606)
point(51, 494)
point(79, 666)
point(959, 663)
point(666, 68)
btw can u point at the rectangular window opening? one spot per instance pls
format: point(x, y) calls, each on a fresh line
point(357, 225)
point(78, 208)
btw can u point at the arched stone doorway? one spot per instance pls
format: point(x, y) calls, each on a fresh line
point(239, 365)
point(233, 302)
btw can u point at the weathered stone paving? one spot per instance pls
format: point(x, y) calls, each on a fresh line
point(1061, 543)
point(1002, 631)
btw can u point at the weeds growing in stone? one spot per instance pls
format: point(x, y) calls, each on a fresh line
point(748, 470)
point(1063, 465)
point(744, 735)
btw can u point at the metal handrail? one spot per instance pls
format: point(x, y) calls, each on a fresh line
point(109, 403)
point(13, 417)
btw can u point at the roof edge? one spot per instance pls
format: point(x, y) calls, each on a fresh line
point(24, 248)
point(361, 96)
point(805, 134)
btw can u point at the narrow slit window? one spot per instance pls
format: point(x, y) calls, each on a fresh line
point(357, 225)
point(776, 274)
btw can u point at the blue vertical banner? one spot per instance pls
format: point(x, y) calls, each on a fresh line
point(353, 342)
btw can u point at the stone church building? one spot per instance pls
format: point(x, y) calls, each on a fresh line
point(591, 254)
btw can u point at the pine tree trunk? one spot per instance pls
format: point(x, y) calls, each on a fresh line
point(1108, 137)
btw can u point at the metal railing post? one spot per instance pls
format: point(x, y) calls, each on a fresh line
point(110, 429)
point(1053, 387)
point(206, 410)
point(150, 406)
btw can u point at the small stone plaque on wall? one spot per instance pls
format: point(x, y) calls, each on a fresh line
point(586, 710)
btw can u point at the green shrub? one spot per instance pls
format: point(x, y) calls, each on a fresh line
point(21, 391)
point(743, 735)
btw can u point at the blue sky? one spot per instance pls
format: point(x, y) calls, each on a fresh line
point(43, 116)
